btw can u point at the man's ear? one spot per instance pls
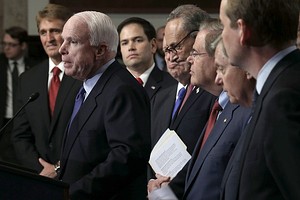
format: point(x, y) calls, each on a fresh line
point(100, 50)
point(153, 45)
point(24, 46)
point(245, 32)
point(249, 76)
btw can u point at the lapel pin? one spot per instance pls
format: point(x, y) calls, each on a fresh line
point(225, 120)
point(197, 90)
point(153, 87)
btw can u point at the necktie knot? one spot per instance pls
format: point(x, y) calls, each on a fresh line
point(15, 70)
point(56, 71)
point(216, 107)
point(81, 94)
point(15, 63)
point(181, 93)
point(139, 80)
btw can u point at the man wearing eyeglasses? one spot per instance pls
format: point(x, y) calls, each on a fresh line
point(12, 63)
point(218, 139)
point(191, 116)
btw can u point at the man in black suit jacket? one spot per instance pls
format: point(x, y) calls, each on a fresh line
point(210, 157)
point(191, 117)
point(14, 50)
point(265, 163)
point(138, 46)
point(37, 136)
point(107, 144)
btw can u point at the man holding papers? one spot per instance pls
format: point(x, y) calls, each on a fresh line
point(214, 147)
point(191, 115)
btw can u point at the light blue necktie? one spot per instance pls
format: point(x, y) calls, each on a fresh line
point(181, 94)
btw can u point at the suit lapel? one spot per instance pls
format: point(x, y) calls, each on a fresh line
point(86, 110)
point(169, 103)
point(43, 79)
point(221, 124)
point(153, 82)
point(196, 93)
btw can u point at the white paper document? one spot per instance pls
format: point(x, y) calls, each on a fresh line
point(169, 155)
point(163, 193)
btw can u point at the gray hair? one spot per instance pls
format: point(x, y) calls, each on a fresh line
point(101, 29)
point(213, 37)
point(191, 14)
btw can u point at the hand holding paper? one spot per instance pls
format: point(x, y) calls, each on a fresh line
point(169, 155)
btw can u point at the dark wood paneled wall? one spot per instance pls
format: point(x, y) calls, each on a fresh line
point(134, 6)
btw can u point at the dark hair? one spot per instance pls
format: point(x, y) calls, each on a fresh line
point(149, 29)
point(17, 33)
point(271, 21)
point(53, 11)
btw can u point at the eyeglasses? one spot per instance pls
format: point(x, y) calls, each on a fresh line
point(175, 48)
point(10, 44)
point(194, 53)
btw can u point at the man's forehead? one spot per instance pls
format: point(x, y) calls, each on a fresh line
point(174, 31)
point(200, 41)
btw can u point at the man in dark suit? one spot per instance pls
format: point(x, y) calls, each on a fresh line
point(212, 152)
point(107, 144)
point(37, 131)
point(191, 116)
point(265, 163)
point(13, 62)
point(138, 46)
point(216, 143)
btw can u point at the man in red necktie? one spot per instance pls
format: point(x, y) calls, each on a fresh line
point(138, 46)
point(39, 129)
point(225, 125)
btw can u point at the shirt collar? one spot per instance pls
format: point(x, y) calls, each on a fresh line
point(89, 84)
point(144, 76)
point(52, 65)
point(20, 61)
point(223, 99)
point(265, 71)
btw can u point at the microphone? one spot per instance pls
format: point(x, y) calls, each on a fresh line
point(31, 98)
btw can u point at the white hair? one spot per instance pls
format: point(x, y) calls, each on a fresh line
point(101, 29)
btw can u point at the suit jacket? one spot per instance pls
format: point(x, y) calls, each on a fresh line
point(108, 144)
point(6, 149)
point(3, 83)
point(158, 80)
point(35, 134)
point(270, 149)
point(188, 124)
point(206, 167)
